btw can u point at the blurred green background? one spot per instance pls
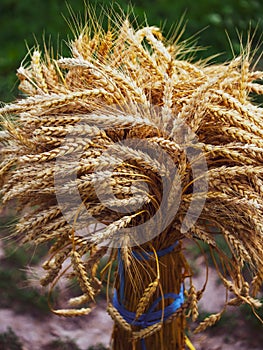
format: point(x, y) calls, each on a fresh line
point(25, 22)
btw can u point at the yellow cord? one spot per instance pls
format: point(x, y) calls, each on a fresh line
point(189, 344)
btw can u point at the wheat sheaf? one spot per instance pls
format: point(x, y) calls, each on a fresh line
point(102, 115)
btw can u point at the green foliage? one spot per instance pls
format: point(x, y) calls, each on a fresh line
point(250, 315)
point(97, 347)
point(28, 21)
point(203, 248)
point(60, 344)
point(10, 341)
point(13, 283)
point(19, 256)
point(15, 290)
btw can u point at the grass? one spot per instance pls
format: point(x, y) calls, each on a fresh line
point(60, 344)
point(202, 247)
point(251, 319)
point(22, 299)
point(97, 347)
point(14, 286)
point(10, 341)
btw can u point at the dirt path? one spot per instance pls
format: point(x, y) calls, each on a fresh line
point(35, 333)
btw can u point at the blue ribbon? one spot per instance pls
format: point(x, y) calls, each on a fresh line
point(149, 255)
point(151, 317)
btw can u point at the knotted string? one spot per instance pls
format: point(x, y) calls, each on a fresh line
point(151, 317)
point(148, 255)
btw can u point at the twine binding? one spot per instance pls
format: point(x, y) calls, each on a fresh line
point(150, 317)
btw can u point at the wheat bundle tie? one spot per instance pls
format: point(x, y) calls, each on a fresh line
point(148, 255)
point(151, 317)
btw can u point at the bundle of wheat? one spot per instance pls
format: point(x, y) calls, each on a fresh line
point(122, 151)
